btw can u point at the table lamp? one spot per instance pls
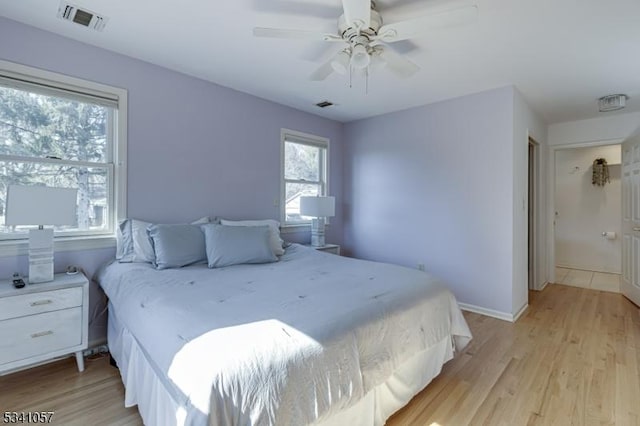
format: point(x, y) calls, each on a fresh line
point(318, 208)
point(40, 205)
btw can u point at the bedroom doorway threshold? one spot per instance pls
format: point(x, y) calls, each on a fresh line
point(594, 280)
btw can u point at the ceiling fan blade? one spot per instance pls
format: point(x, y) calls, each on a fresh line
point(323, 72)
point(357, 13)
point(405, 46)
point(409, 28)
point(399, 65)
point(294, 34)
point(316, 9)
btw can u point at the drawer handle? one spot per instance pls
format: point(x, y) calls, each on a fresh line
point(41, 334)
point(636, 228)
point(42, 302)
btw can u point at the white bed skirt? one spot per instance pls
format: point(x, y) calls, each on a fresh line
point(157, 407)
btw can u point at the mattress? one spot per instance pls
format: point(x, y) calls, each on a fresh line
point(294, 342)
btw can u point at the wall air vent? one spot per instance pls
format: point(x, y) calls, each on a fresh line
point(612, 102)
point(324, 104)
point(84, 17)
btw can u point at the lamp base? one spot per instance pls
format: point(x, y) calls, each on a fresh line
point(317, 232)
point(40, 256)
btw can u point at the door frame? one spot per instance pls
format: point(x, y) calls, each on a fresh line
point(533, 220)
point(630, 288)
point(551, 196)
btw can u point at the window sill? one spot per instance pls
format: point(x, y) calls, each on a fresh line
point(301, 227)
point(18, 248)
point(292, 229)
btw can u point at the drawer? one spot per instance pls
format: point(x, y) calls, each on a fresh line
point(33, 335)
point(35, 303)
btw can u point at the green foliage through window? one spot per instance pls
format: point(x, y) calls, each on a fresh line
point(60, 142)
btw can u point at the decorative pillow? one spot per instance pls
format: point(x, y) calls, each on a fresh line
point(235, 245)
point(133, 243)
point(177, 245)
point(274, 231)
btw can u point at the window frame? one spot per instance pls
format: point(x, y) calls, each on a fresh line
point(116, 156)
point(287, 135)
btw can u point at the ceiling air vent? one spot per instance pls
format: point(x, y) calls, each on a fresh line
point(324, 104)
point(612, 102)
point(84, 17)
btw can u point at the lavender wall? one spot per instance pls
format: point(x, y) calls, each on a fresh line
point(434, 185)
point(195, 148)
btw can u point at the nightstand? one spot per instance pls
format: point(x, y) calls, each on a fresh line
point(328, 248)
point(43, 321)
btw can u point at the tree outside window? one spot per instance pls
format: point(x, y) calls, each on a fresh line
point(58, 142)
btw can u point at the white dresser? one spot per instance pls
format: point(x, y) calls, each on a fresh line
point(43, 321)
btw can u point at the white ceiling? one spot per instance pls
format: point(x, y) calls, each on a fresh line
point(561, 54)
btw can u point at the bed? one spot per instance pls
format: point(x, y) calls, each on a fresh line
point(311, 339)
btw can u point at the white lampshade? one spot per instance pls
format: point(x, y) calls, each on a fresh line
point(40, 205)
point(318, 206)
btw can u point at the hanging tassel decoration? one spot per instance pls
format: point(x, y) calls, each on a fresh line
point(600, 172)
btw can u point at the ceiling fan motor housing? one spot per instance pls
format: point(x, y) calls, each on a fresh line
point(348, 32)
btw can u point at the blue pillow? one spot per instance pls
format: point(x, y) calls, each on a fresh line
point(124, 242)
point(235, 245)
point(177, 245)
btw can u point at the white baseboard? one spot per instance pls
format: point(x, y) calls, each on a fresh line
point(544, 285)
point(504, 316)
point(94, 343)
point(487, 312)
point(588, 268)
point(520, 312)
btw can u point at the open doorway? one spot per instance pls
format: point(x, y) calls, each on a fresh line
point(587, 217)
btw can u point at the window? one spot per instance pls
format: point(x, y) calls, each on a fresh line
point(63, 132)
point(304, 172)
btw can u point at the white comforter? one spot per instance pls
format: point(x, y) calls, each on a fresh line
point(288, 343)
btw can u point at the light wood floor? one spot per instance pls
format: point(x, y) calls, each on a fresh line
point(572, 358)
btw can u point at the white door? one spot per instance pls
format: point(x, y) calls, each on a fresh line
point(630, 282)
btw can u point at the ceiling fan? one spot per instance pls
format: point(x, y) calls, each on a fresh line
point(362, 29)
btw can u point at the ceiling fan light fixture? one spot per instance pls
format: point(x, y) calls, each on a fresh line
point(360, 58)
point(340, 62)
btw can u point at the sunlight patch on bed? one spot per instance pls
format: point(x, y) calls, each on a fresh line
point(201, 360)
point(181, 416)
